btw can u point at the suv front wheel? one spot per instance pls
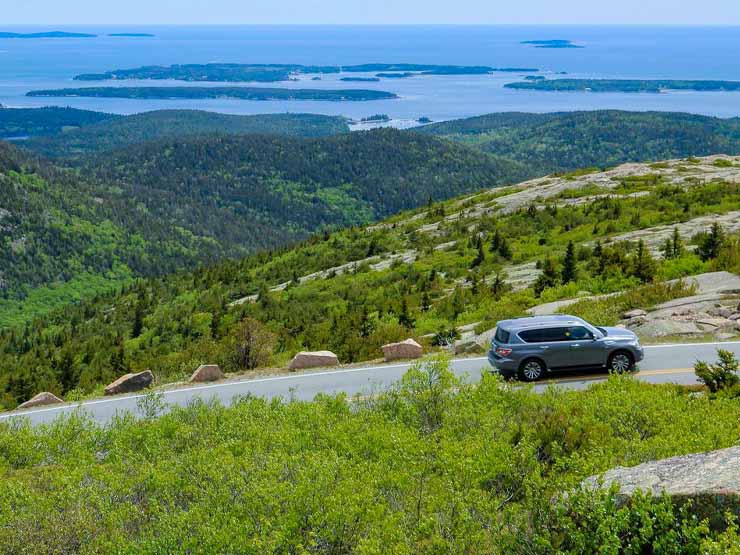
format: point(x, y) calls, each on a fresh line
point(531, 370)
point(620, 362)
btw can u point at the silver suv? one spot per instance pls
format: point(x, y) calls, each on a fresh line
point(531, 347)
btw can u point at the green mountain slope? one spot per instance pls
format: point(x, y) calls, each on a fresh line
point(428, 271)
point(572, 140)
point(124, 131)
point(29, 122)
point(160, 207)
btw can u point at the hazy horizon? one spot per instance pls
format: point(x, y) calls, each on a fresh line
point(376, 12)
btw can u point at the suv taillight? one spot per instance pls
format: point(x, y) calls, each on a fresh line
point(503, 351)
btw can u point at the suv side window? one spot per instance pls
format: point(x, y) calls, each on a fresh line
point(537, 336)
point(577, 333)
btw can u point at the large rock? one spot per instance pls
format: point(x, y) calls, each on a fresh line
point(402, 350)
point(130, 382)
point(634, 313)
point(711, 480)
point(313, 359)
point(41, 400)
point(207, 373)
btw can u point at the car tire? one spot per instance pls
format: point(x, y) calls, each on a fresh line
point(620, 362)
point(531, 370)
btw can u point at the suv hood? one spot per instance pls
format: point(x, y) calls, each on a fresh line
point(619, 333)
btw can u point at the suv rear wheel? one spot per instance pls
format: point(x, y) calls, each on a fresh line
point(620, 362)
point(531, 370)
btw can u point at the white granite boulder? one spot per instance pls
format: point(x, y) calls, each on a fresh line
point(207, 373)
point(402, 350)
point(40, 400)
point(130, 383)
point(313, 359)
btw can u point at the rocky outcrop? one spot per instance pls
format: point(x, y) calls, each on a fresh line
point(207, 373)
point(40, 400)
point(711, 480)
point(403, 350)
point(313, 359)
point(130, 383)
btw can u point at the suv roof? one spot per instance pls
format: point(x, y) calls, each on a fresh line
point(517, 324)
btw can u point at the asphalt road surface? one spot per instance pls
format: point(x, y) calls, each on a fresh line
point(662, 364)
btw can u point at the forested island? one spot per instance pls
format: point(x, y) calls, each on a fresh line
point(554, 43)
point(401, 75)
point(46, 35)
point(243, 93)
point(131, 35)
point(283, 72)
point(360, 79)
point(624, 85)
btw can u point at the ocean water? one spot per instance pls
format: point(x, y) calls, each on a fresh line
point(639, 52)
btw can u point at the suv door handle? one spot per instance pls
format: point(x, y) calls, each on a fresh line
point(544, 347)
point(576, 345)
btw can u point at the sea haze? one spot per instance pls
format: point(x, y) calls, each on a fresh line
point(626, 52)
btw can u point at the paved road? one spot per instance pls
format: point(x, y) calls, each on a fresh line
point(662, 364)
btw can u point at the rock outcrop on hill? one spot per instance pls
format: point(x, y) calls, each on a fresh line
point(710, 480)
point(130, 383)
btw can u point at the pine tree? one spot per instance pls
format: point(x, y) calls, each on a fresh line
point(504, 250)
point(404, 318)
point(480, 257)
point(495, 241)
point(569, 270)
point(643, 265)
point(426, 302)
point(711, 244)
point(498, 285)
point(677, 244)
point(548, 277)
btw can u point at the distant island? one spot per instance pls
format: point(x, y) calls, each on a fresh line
point(131, 35)
point(243, 93)
point(377, 118)
point(361, 79)
point(624, 85)
point(534, 77)
point(267, 73)
point(402, 75)
point(47, 35)
point(553, 43)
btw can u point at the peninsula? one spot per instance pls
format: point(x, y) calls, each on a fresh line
point(624, 85)
point(46, 35)
point(131, 35)
point(243, 93)
point(223, 72)
point(553, 43)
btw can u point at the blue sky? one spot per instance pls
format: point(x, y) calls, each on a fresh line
point(60, 12)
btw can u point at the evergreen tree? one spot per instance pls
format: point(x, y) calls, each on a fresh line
point(711, 244)
point(569, 270)
point(404, 318)
point(548, 277)
point(643, 264)
point(677, 244)
point(495, 241)
point(426, 302)
point(480, 257)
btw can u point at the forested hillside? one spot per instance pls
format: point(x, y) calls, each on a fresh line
point(127, 130)
point(571, 140)
point(164, 206)
point(30, 122)
point(422, 273)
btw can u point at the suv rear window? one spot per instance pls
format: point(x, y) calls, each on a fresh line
point(502, 336)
